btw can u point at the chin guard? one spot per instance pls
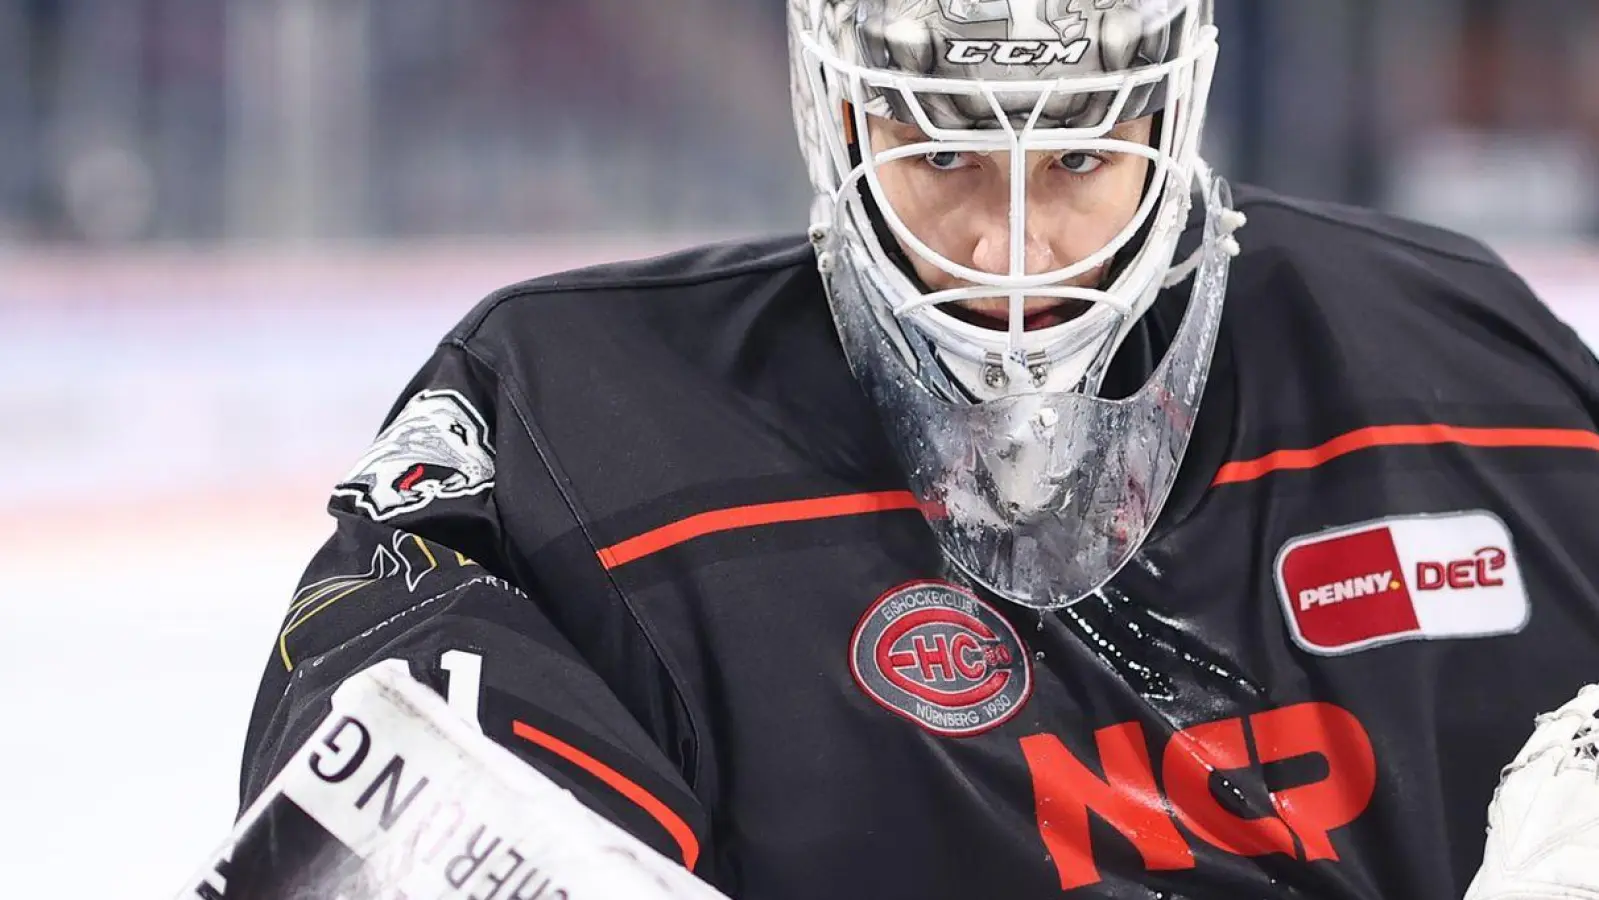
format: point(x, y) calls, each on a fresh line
point(1041, 497)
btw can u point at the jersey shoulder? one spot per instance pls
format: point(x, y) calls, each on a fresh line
point(707, 321)
point(1284, 222)
point(1365, 262)
point(655, 389)
point(702, 275)
point(1342, 275)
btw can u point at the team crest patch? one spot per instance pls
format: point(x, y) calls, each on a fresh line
point(939, 656)
point(437, 447)
point(1423, 577)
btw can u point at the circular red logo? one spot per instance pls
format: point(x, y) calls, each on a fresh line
point(937, 655)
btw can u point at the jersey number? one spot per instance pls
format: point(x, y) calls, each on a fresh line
point(463, 676)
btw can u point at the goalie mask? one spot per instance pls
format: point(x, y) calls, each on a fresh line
point(1035, 486)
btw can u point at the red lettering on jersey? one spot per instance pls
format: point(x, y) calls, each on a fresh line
point(1463, 574)
point(934, 656)
point(968, 657)
point(1191, 756)
point(1064, 790)
point(1430, 576)
point(1490, 560)
point(1314, 809)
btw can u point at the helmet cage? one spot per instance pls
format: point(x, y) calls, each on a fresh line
point(837, 95)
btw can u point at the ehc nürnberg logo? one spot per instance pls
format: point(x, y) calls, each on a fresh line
point(939, 656)
point(437, 447)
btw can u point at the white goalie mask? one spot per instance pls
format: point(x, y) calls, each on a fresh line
point(1035, 486)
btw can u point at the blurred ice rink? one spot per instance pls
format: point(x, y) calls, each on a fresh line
point(169, 447)
point(167, 462)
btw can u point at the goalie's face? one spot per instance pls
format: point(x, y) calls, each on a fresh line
point(959, 205)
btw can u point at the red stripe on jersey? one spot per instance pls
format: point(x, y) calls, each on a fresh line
point(699, 525)
point(1403, 436)
point(671, 821)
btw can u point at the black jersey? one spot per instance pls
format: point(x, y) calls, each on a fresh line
point(647, 506)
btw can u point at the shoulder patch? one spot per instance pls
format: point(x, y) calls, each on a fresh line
point(437, 447)
point(1417, 577)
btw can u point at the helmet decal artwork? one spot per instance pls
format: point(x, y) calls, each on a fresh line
point(1036, 487)
point(992, 38)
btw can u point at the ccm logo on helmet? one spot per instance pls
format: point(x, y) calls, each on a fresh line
point(1406, 578)
point(1017, 53)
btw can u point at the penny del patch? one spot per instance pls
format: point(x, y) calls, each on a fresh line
point(1419, 577)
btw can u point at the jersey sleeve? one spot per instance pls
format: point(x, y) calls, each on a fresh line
point(1538, 324)
point(420, 568)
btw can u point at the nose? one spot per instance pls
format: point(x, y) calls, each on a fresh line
point(991, 252)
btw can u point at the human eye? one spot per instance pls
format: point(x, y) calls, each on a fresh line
point(946, 160)
point(1077, 162)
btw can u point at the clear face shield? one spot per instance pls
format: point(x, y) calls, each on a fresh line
point(1040, 497)
point(1036, 488)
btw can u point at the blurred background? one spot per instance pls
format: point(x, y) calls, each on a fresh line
point(231, 229)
